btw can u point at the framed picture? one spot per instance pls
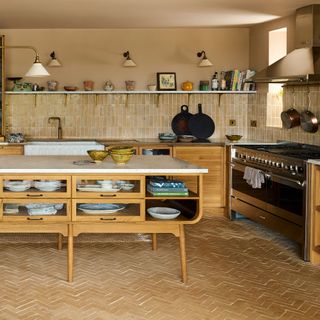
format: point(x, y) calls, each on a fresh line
point(166, 81)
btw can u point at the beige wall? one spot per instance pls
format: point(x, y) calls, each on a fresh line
point(96, 54)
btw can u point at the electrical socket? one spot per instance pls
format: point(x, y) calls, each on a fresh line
point(253, 123)
point(232, 122)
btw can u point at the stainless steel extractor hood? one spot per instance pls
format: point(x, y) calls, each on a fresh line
point(302, 64)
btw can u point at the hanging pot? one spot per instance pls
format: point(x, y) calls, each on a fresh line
point(309, 121)
point(290, 118)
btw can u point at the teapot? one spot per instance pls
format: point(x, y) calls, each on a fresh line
point(187, 86)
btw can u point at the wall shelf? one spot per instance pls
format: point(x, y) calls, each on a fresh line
point(131, 92)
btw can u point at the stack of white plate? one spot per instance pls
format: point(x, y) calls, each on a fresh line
point(47, 185)
point(17, 186)
point(36, 209)
point(163, 213)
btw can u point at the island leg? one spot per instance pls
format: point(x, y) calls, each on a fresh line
point(183, 257)
point(59, 243)
point(70, 253)
point(154, 241)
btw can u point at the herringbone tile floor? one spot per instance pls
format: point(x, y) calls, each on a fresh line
point(237, 271)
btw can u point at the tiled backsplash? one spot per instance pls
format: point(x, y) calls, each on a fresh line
point(294, 96)
point(119, 116)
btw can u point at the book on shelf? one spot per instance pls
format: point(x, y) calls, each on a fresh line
point(236, 80)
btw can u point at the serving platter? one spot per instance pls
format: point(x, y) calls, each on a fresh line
point(100, 208)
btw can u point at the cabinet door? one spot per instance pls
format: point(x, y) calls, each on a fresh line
point(108, 187)
point(35, 210)
point(108, 210)
point(35, 187)
point(11, 150)
point(212, 158)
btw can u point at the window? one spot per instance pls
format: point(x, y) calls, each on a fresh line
point(277, 50)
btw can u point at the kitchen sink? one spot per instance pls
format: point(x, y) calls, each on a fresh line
point(60, 147)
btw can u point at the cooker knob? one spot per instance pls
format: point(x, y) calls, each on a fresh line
point(291, 168)
point(300, 169)
point(278, 164)
point(273, 163)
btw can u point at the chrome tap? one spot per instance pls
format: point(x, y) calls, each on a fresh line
point(59, 126)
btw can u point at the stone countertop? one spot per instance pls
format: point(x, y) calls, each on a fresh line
point(65, 164)
point(314, 161)
point(148, 141)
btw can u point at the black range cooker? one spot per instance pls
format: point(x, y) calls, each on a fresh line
point(279, 199)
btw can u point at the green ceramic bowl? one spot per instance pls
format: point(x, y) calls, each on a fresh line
point(233, 137)
point(97, 155)
point(121, 158)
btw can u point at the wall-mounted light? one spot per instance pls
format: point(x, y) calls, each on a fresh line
point(37, 69)
point(205, 62)
point(54, 62)
point(128, 62)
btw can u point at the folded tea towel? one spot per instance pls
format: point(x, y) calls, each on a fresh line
point(254, 177)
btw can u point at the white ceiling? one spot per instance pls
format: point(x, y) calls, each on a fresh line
point(143, 13)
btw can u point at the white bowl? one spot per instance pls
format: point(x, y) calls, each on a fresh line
point(163, 213)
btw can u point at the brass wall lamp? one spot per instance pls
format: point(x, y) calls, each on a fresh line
point(128, 62)
point(54, 62)
point(37, 69)
point(205, 62)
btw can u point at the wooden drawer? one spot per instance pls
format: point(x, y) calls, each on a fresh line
point(269, 220)
point(129, 210)
point(91, 187)
point(11, 150)
point(21, 210)
point(36, 191)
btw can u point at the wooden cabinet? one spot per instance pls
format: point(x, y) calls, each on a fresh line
point(313, 212)
point(11, 150)
point(214, 188)
point(2, 84)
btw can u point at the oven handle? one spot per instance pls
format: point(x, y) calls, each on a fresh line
point(272, 176)
point(285, 180)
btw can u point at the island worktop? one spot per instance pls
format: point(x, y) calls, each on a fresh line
point(81, 164)
point(70, 195)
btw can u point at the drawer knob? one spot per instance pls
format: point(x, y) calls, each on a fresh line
point(108, 219)
point(107, 195)
point(34, 218)
point(262, 217)
point(34, 195)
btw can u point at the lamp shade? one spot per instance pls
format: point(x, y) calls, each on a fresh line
point(129, 63)
point(54, 63)
point(205, 63)
point(37, 70)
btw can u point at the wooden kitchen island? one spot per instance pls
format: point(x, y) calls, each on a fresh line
point(63, 209)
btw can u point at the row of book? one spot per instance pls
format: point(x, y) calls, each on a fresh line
point(159, 186)
point(236, 80)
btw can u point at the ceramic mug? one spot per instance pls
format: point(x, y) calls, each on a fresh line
point(88, 85)
point(52, 85)
point(130, 85)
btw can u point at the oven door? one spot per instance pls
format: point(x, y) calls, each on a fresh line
point(286, 197)
point(242, 190)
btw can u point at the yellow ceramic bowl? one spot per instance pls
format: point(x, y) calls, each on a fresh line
point(97, 155)
point(121, 158)
point(233, 137)
point(120, 149)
